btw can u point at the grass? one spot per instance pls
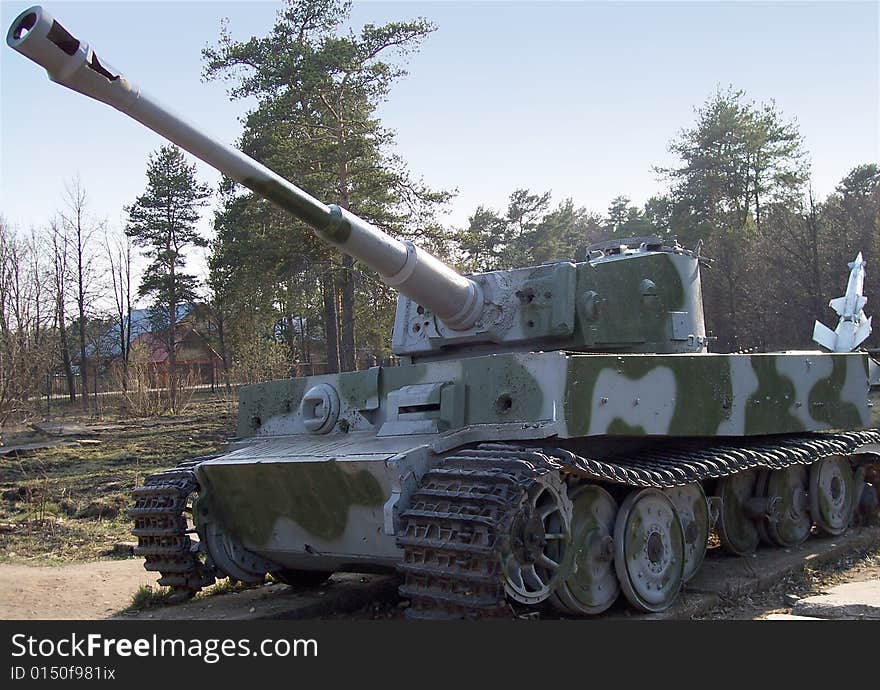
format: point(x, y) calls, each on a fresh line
point(224, 586)
point(147, 597)
point(67, 503)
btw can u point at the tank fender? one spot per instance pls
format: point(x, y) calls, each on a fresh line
point(406, 471)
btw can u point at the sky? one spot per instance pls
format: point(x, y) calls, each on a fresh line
point(577, 98)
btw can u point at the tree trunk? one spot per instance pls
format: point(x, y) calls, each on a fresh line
point(65, 360)
point(302, 341)
point(757, 204)
point(78, 207)
point(330, 327)
point(307, 345)
point(815, 264)
point(172, 353)
point(224, 357)
point(126, 347)
point(125, 324)
point(731, 305)
point(290, 331)
point(65, 350)
point(81, 304)
point(347, 356)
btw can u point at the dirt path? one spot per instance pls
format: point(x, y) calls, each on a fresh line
point(855, 567)
point(81, 591)
point(98, 589)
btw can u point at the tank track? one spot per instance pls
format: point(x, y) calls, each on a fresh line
point(163, 535)
point(680, 464)
point(453, 534)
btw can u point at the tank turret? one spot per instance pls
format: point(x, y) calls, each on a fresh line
point(629, 297)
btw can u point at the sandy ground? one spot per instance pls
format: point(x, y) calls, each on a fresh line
point(80, 591)
point(99, 589)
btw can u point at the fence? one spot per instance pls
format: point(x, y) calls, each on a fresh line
point(107, 381)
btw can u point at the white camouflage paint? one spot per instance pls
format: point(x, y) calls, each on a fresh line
point(804, 373)
point(744, 384)
point(648, 402)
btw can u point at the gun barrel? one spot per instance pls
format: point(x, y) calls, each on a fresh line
point(453, 298)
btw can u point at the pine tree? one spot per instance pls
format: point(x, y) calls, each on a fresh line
point(162, 221)
point(739, 161)
point(317, 87)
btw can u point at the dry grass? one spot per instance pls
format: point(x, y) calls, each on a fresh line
point(225, 586)
point(68, 503)
point(148, 597)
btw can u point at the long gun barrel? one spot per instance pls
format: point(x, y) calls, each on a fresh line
point(453, 298)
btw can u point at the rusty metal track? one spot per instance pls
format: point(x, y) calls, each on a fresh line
point(454, 532)
point(163, 533)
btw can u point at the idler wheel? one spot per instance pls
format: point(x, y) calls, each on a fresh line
point(736, 525)
point(534, 560)
point(832, 494)
point(649, 550)
point(592, 585)
point(232, 559)
point(693, 510)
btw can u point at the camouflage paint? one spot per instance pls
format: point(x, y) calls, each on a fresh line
point(639, 394)
point(334, 492)
point(768, 409)
point(623, 303)
point(259, 403)
point(489, 382)
point(843, 415)
point(317, 496)
point(290, 201)
point(546, 302)
point(626, 315)
point(713, 395)
point(592, 394)
point(360, 389)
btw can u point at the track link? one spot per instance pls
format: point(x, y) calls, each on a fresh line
point(454, 534)
point(163, 533)
point(680, 464)
point(455, 531)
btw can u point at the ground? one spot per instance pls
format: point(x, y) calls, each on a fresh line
point(67, 503)
point(75, 591)
point(855, 567)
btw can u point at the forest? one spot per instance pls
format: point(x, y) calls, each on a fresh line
point(278, 302)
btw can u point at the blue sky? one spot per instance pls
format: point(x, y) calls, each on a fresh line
point(578, 98)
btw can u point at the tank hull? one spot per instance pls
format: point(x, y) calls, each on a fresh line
point(333, 501)
point(573, 395)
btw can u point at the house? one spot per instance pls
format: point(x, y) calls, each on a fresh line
point(197, 360)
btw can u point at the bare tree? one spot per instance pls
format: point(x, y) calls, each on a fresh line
point(81, 230)
point(61, 277)
point(25, 316)
point(119, 257)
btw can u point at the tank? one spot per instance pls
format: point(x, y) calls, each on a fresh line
point(555, 435)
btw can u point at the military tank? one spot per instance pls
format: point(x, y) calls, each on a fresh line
point(556, 433)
